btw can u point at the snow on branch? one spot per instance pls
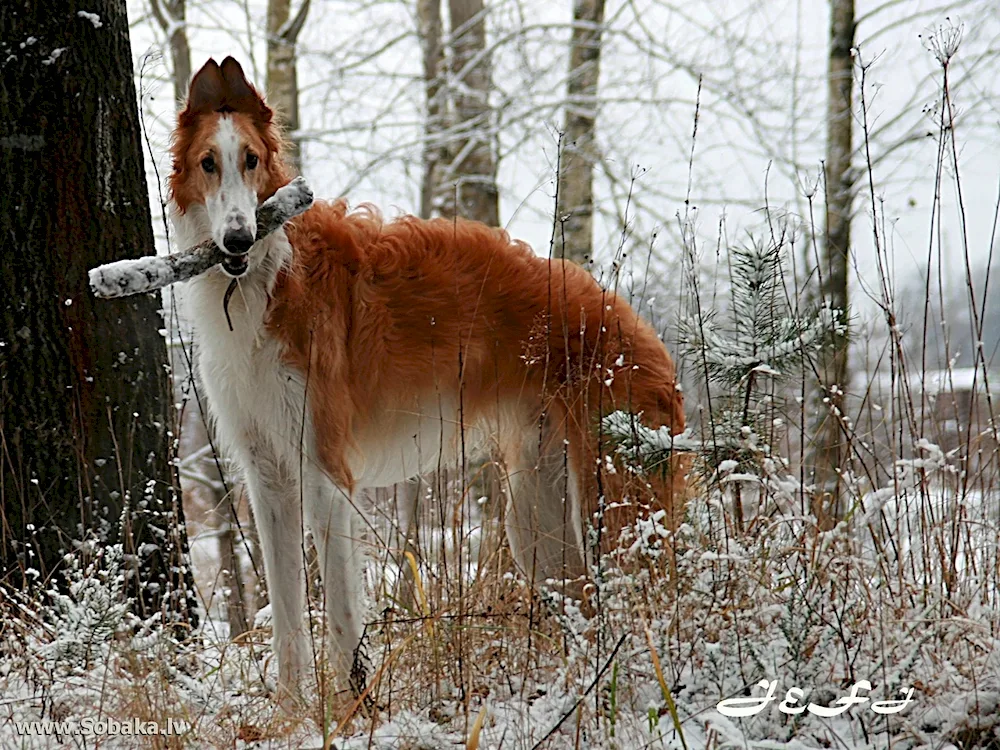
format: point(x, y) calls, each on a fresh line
point(649, 446)
point(765, 336)
point(136, 275)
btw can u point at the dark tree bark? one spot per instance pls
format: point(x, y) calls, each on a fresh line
point(830, 448)
point(468, 183)
point(85, 405)
point(282, 76)
point(575, 210)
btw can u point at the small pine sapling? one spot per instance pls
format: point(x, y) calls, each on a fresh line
point(94, 611)
point(744, 355)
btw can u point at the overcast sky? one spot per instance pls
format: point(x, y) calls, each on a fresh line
point(760, 125)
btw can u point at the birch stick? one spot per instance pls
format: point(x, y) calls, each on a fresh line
point(137, 275)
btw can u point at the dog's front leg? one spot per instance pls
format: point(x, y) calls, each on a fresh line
point(274, 493)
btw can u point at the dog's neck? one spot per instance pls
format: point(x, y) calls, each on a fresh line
point(204, 295)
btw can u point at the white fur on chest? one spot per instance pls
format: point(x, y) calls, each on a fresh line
point(256, 399)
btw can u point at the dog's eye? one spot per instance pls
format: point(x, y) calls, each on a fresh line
point(252, 161)
point(208, 164)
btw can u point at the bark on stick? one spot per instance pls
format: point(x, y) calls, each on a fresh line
point(137, 275)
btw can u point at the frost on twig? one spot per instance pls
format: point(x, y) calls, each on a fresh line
point(765, 336)
point(645, 443)
point(137, 275)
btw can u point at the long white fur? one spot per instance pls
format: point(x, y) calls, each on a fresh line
point(258, 405)
point(262, 420)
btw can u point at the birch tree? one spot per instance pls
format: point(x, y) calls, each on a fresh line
point(86, 407)
point(467, 186)
point(575, 205)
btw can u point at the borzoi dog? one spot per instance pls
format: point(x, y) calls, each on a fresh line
point(356, 351)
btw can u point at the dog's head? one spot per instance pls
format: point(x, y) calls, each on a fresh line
point(226, 157)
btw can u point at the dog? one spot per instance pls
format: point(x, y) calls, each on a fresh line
point(355, 352)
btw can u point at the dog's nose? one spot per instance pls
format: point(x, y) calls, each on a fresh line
point(238, 241)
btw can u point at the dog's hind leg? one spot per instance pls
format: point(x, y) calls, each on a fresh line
point(543, 520)
point(333, 520)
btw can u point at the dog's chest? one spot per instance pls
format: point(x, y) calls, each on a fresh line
point(255, 397)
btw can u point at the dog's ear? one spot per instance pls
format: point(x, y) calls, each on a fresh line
point(236, 82)
point(242, 96)
point(208, 89)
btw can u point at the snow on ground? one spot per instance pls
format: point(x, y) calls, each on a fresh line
point(680, 629)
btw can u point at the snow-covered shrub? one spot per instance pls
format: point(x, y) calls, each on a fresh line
point(748, 353)
point(93, 611)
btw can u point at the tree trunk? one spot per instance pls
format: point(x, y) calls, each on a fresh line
point(468, 187)
point(229, 561)
point(429, 31)
point(171, 15)
point(830, 448)
point(86, 413)
point(575, 207)
point(282, 77)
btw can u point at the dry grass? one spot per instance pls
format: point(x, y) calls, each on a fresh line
point(681, 626)
point(902, 592)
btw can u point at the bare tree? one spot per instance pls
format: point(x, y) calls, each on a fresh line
point(575, 207)
point(467, 186)
point(171, 16)
point(86, 410)
point(282, 77)
point(429, 31)
point(830, 445)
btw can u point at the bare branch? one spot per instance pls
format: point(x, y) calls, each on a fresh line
point(289, 33)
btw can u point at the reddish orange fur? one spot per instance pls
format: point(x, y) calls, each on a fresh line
point(376, 314)
point(393, 309)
